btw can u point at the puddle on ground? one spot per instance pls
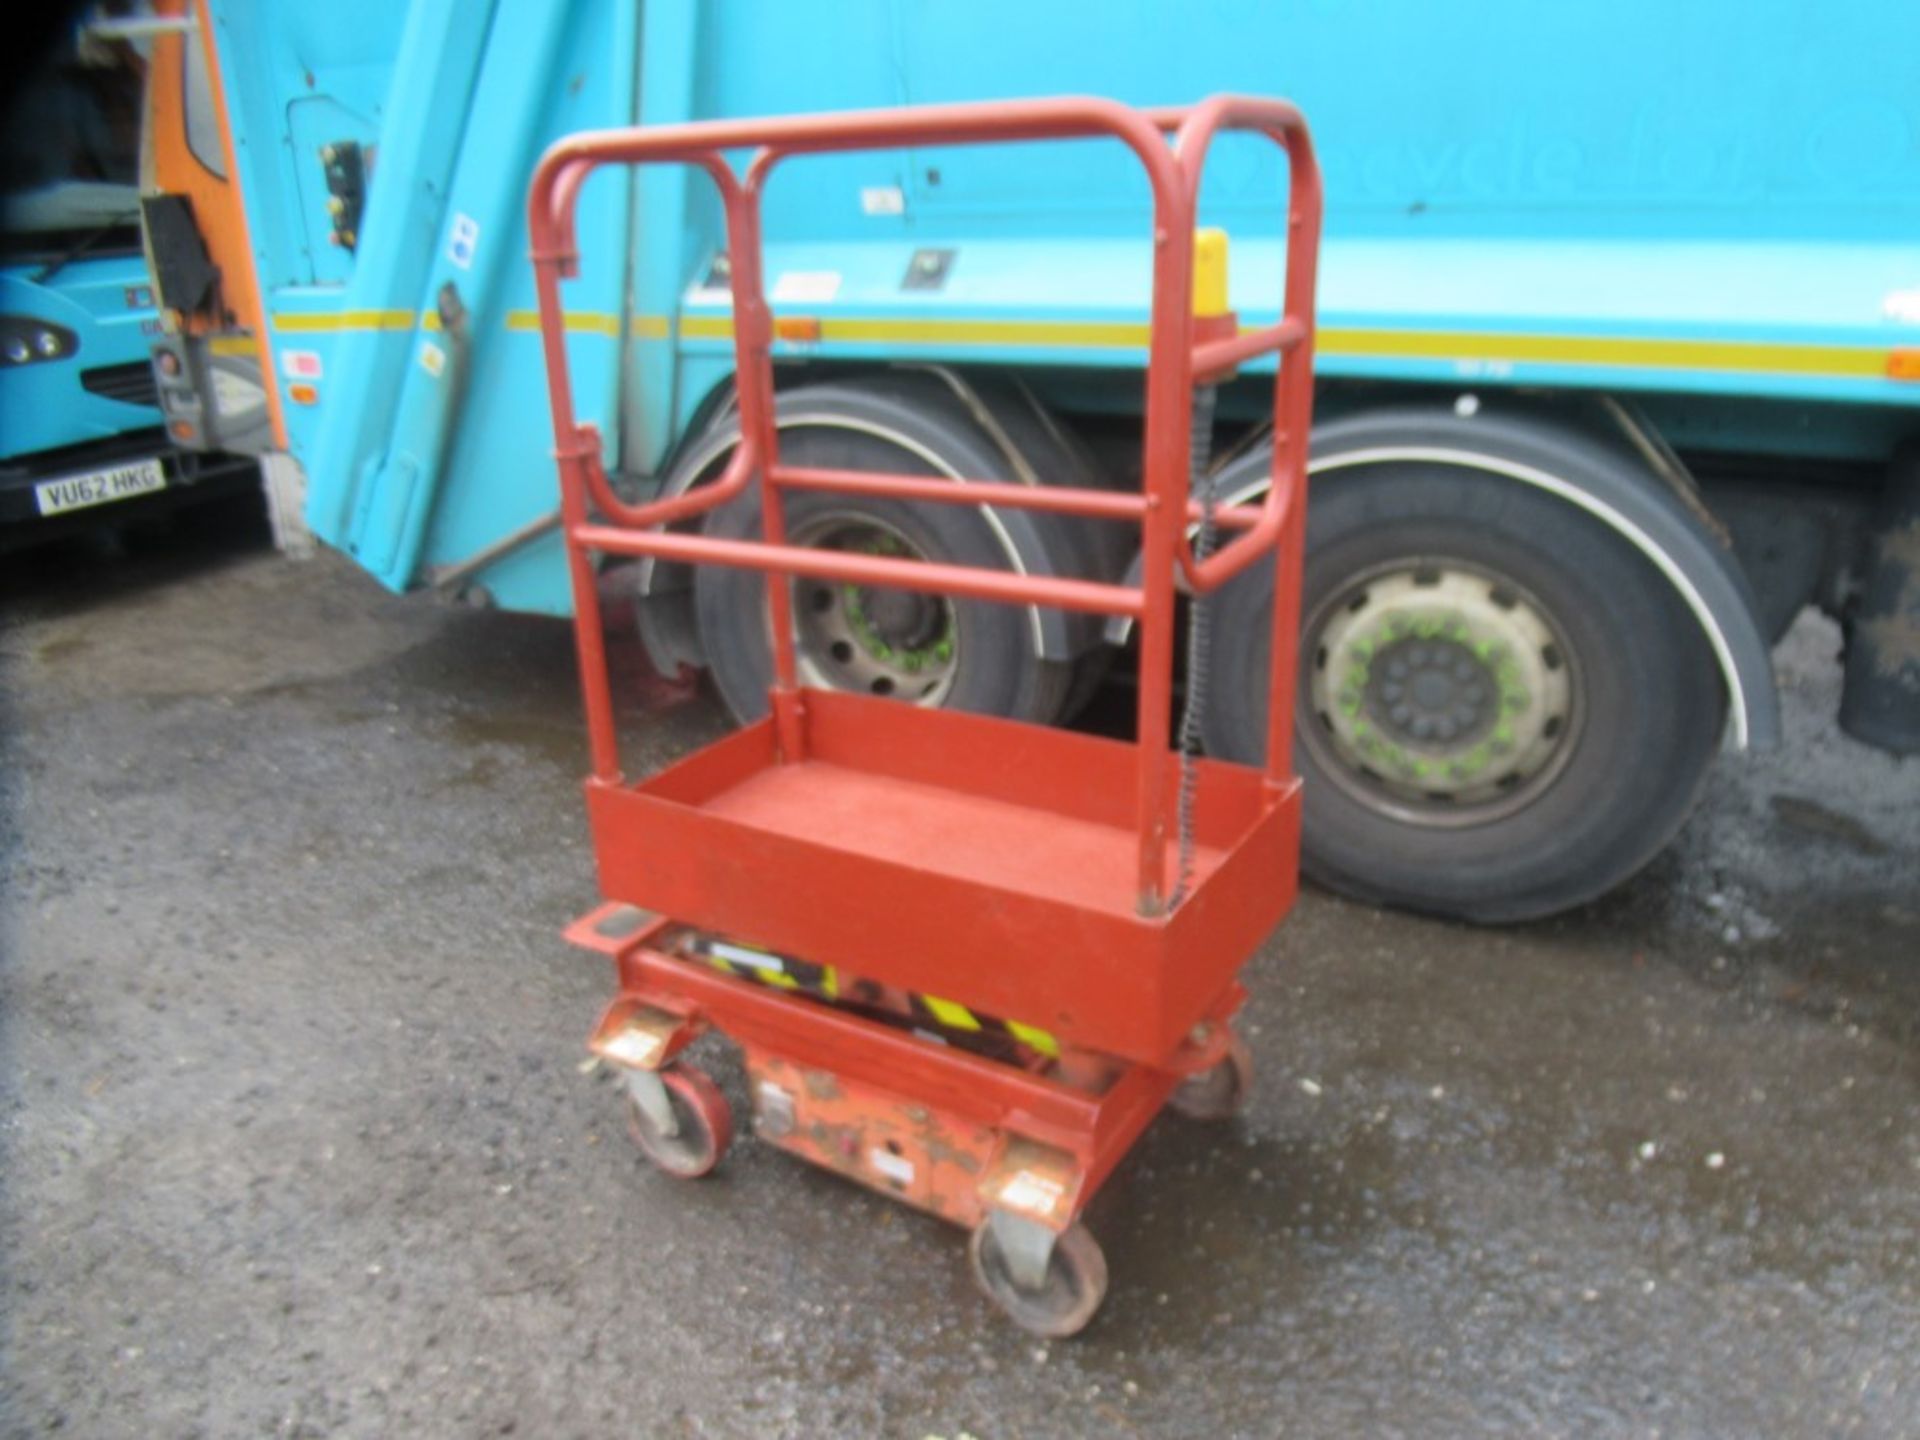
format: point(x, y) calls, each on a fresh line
point(1810, 817)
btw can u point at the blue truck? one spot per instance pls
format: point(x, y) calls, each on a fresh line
point(82, 441)
point(1618, 358)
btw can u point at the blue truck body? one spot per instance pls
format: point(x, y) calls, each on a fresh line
point(79, 427)
point(106, 303)
point(1697, 225)
point(1538, 196)
point(82, 438)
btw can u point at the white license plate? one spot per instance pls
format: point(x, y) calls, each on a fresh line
point(99, 487)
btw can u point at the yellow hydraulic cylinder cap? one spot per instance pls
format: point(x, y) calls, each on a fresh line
point(1209, 273)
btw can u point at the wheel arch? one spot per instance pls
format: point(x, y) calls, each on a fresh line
point(1607, 483)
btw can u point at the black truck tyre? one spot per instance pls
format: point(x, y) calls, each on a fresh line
point(1504, 710)
point(926, 649)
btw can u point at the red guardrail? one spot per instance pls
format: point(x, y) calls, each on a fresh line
point(1165, 509)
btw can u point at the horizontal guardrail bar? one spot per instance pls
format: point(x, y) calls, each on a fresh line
point(1061, 500)
point(1213, 356)
point(1092, 596)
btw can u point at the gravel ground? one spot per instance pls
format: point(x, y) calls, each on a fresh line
point(295, 1141)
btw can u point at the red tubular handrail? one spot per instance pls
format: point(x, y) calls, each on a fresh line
point(1057, 499)
point(1282, 123)
point(967, 581)
point(1164, 510)
point(741, 468)
point(1218, 356)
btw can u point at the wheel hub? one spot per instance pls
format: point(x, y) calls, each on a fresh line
point(1443, 694)
point(1435, 690)
point(898, 619)
point(868, 638)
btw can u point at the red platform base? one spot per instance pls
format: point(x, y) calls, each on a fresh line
point(894, 1106)
point(978, 859)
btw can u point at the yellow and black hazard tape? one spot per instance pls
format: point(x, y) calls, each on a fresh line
point(950, 1020)
point(778, 971)
point(952, 1015)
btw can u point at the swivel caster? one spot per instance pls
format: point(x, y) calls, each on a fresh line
point(1220, 1091)
point(679, 1119)
point(1064, 1300)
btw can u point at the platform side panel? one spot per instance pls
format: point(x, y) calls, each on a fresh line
point(1095, 981)
point(1234, 912)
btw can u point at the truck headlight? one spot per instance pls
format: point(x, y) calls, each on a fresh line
point(24, 340)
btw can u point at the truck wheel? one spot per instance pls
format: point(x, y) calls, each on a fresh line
point(926, 649)
point(1503, 709)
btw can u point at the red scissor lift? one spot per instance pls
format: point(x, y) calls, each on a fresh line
point(810, 884)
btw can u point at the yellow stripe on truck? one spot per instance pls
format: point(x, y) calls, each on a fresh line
point(589, 322)
point(1094, 334)
point(298, 322)
point(1854, 362)
point(1747, 355)
point(579, 322)
point(1753, 356)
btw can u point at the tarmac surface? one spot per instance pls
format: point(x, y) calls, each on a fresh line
point(295, 1139)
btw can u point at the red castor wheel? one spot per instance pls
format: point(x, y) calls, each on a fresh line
point(1220, 1091)
point(679, 1119)
point(1076, 1282)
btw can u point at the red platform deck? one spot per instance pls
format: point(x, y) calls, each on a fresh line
point(910, 843)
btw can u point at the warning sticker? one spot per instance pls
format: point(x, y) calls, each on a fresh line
point(300, 364)
point(740, 955)
point(803, 287)
point(635, 1047)
point(1035, 1194)
point(433, 359)
point(1902, 305)
point(463, 241)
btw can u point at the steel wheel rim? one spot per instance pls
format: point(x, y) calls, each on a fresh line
point(1440, 693)
point(868, 639)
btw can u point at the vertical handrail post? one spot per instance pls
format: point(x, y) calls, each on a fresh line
point(1293, 417)
point(753, 370)
point(1166, 458)
point(550, 230)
